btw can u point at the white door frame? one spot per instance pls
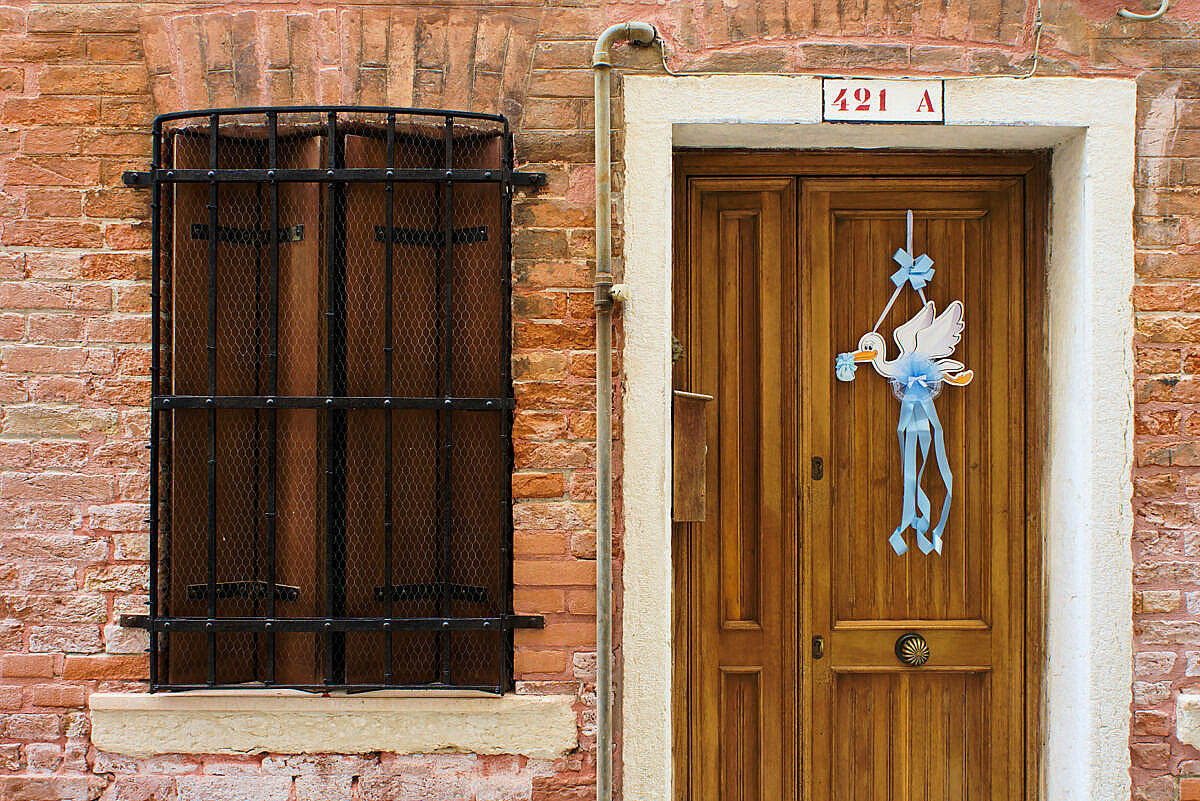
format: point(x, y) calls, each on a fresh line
point(1088, 519)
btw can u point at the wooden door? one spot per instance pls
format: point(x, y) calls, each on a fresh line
point(739, 337)
point(952, 729)
point(793, 549)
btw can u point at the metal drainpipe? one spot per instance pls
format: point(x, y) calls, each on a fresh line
point(642, 34)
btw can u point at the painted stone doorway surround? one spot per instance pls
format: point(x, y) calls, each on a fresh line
point(1087, 513)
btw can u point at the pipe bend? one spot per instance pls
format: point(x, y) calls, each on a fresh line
point(642, 34)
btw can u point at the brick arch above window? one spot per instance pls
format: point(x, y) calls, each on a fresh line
point(405, 56)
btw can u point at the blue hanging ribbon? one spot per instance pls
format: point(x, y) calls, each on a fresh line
point(917, 272)
point(918, 427)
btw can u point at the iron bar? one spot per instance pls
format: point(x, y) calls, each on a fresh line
point(329, 109)
point(344, 175)
point(351, 175)
point(329, 402)
point(388, 248)
point(335, 442)
point(348, 688)
point(273, 384)
point(506, 416)
point(445, 254)
point(344, 624)
point(213, 194)
point(155, 366)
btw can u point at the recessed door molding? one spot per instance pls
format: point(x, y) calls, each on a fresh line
point(1085, 503)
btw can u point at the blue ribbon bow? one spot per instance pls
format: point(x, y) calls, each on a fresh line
point(917, 271)
point(918, 428)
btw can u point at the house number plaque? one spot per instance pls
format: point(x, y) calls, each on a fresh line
point(881, 100)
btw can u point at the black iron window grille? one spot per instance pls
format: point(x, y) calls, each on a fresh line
point(331, 403)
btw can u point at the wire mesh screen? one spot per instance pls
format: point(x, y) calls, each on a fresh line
point(332, 399)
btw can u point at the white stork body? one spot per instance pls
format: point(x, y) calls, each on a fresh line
point(926, 343)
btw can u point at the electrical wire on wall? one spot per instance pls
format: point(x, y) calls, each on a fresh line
point(1159, 13)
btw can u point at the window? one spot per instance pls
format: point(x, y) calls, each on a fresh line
point(331, 399)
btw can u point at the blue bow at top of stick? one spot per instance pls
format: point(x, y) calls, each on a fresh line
point(918, 271)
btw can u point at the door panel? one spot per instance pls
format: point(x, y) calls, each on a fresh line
point(966, 602)
point(740, 629)
point(775, 276)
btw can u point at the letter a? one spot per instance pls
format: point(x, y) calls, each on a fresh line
point(926, 103)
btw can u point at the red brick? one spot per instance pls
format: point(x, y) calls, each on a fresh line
point(52, 266)
point(53, 234)
point(539, 425)
point(12, 326)
point(115, 203)
point(85, 79)
point(26, 665)
point(538, 601)
point(120, 266)
point(57, 486)
point(581, 635)
point(114, 47)
point(569, 336)
point(31, 726)
point(554, 395)
point(127, 236)
point(539, 366)
point(64, 695)
point(12, 697)
point(35, 296)
point(125, 112)
point(55, 110)
point(540, 305)
point(119, 143)
point(581, 602)
point(553, 572)
point(55, 328)
point(119, 329)
point(69, 18)
point(12, 79)
point(40, 48)
point(551, 455)
point(538, 543)
point(52, 171)
point(108, 667)
point(537, 485)
point(562, 273)
point(1189, 789)
point(53, 202)
point(50, 139)
point(529, 662)
point(50, 788)
point(59, 388)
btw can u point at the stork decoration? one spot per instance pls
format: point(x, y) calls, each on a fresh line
point(917, 374)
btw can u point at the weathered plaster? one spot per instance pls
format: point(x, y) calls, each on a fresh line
point(293, 722)
point(1087, 515)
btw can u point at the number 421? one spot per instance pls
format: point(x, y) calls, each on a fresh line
point(863, 97)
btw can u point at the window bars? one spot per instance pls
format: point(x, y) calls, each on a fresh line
point(331, 400)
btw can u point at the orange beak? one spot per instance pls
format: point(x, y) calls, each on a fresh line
point(864, 355)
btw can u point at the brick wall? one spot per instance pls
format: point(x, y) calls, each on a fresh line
point(79, 82)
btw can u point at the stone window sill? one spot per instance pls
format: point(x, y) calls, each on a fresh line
point(295, 722)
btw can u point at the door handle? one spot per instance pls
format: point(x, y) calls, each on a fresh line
point(912, 649)
point(818, 646)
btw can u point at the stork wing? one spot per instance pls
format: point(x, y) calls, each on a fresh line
point(906, 335)
point(937, 340)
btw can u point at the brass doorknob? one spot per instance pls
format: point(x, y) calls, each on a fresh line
point(912, 650)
